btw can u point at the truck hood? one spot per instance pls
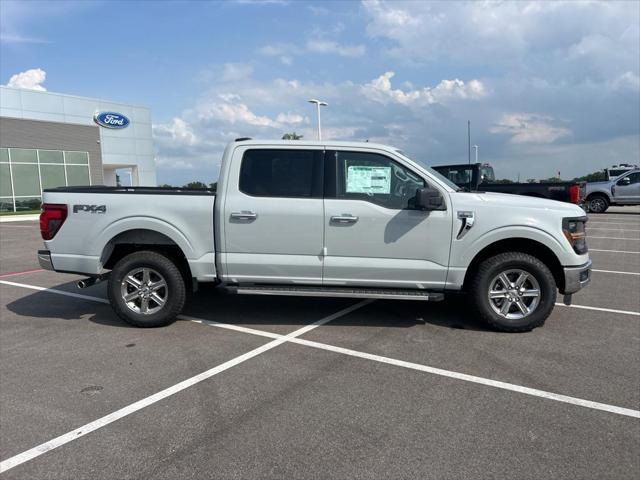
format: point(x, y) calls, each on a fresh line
point(524, 202)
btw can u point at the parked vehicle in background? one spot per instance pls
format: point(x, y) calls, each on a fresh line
point(334, 219)
point(616, 170)
point(622, 190)
point(480, 177)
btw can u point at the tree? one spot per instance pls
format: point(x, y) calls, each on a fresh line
point(551, 180)
point(195, 185)
point(597, 176)
point(503, 180)
point(165, 185)
point(213, 186)
point(291, 136)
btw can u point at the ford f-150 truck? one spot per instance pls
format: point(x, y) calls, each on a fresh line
point(335, 219)
point(621, 190)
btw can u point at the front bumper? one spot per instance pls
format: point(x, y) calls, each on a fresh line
point(44, 259)
point(576, 278)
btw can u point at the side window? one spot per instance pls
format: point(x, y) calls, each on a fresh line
point(281, 173)
point(376, 179)
point(634, 178)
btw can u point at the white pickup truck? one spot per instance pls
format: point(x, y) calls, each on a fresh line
point(334, 219)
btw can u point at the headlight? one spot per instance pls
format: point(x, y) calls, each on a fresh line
point(574, 231)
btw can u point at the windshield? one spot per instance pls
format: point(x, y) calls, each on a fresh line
point(438, 175)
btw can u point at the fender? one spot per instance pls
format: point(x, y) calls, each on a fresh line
point(462, 255)
point(144, 223)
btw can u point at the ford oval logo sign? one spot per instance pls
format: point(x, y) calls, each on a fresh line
point(111, 120)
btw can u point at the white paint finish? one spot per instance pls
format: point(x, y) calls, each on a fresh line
point(436, 371)
point(10, 99)
point(167, 392)
point(614, 271)
point(599, 309)
point(395, 248)
point(85, 235)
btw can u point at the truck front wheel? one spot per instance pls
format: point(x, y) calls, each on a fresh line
point(597, 204)
point(513, 291)
point(146, 289)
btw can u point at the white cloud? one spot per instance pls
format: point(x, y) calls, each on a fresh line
point(328, 46)
point(291, 119)
point(232, 72)
point(529, 128)
point(317, 44)
point(178, 131)
point(380, 90)
point(30, 79)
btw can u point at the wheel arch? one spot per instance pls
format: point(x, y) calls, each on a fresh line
point(133, 240)
point(519, 244)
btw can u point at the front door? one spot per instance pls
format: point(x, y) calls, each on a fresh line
point(628, 192)
point(273, 217)
point(373, 235)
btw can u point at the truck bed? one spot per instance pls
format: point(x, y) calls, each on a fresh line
point(99, 218)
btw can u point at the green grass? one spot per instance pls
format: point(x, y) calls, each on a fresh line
point(21, 212)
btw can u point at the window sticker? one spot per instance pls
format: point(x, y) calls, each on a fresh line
point(370, 180)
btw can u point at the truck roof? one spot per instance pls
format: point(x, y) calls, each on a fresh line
point(316, 143)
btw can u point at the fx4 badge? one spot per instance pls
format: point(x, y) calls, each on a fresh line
point(90, 208)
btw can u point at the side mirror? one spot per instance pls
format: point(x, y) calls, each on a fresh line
point(625, 181)
point(429, 199)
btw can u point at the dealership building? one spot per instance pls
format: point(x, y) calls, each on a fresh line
point(50, 140)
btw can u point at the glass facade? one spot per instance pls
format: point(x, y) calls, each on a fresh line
point(25, 172)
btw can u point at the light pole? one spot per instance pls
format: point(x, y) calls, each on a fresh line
point(319, 104)
point(475, 147)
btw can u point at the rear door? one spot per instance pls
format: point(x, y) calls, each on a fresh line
point(373, 234)
point(273, 216)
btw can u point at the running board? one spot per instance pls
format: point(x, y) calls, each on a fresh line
point(393, 294)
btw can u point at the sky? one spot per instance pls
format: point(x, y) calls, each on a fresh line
point(547, 86)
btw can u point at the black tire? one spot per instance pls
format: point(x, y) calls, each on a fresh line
point(162, 269)
point(487, 273)
point(597, 203)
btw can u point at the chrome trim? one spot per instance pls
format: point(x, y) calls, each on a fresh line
point(468, 220)
point(344, 219)
point(244, 215)
point(44, 259)
point(572, 282)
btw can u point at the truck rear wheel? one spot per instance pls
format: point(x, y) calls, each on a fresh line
point(597, 204)
point(146, 289)
point(513, 292)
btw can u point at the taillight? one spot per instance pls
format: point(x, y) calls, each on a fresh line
point(574, 194)
point(51, 219)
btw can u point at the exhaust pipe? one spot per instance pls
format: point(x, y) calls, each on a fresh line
point(87, 282)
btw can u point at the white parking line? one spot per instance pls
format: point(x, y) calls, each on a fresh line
point(599, 309)
point(616, 238)
point(167, 392)
point(614, 271)
point(612, 223)
point(614, 251)
point(436, 371)
point(53, 290)
point(609, 229)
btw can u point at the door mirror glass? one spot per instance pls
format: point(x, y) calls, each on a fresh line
point(429, 199)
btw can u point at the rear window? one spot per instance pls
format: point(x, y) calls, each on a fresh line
point(281, 173)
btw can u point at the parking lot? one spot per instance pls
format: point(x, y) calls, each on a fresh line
point(278, 387)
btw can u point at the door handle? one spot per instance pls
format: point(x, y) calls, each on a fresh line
point(344, 219)
point(244, 215)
